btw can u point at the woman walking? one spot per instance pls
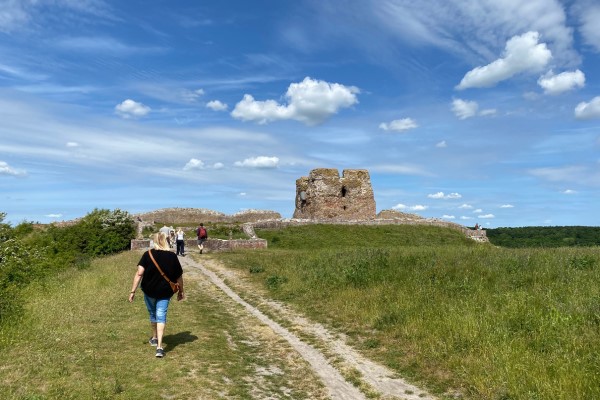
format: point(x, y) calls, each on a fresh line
point(157, 290)
point(180, 243)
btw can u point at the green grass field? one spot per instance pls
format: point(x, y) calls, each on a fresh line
point(489, 322)
point(444, 311)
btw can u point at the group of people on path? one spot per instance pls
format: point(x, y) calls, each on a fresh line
point(161, 276)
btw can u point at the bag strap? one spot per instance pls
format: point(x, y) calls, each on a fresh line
point(159, 270)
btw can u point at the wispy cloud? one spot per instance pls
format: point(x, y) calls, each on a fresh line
point(399, 125)
point(417, 207)
point(589, 110)
point(216, 105)
point(6, 169)
point(507, 206)
point(442, 195)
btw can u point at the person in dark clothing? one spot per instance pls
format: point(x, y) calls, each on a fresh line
point(157, 291)
point(202, 234)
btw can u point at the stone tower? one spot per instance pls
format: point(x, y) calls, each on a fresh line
point(324, 195)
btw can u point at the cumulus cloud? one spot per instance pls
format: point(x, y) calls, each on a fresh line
point(130, 108)
point(193, 164)
point(589, 110)
point(417, 207)
point(310, 102)
point(258, 162)
point(507, 206)
point(479, 210)
point(466, 206)
point(441, 145)
point(72, 144)
point(6, 169)
point(218, 165)
point(399, 125)
point(557, 84)
point(522, 54)
point(486, 216)
point(569, 191)
point(216, 105)
point(442, 195)
point(463, 217)
point(464, 109)
point(445, 216)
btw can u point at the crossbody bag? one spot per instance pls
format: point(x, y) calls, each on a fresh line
point(174, 286)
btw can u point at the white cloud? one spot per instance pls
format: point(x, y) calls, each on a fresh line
point(588, 110)
point(258, 162)
point(557, 84)
point(463, 217)
point(399, 125)
point(417, 207)
point(507, 206)
point(466, 206)
point(522, 54)
point(53, 215)
point(479, 210)
point(589, 16)
point(464, 109)
point(441, 195)
point(441, 145)
point(242, 194)
point(218, 165)
point(191, 96)
point(72, 144)
point(486, 216)
point(310, 101)
point(216, 105)
point(193, 164)
point(6, 169)
point(448, 216)
point(488, 112)
point(130, 108)
point(569, 191)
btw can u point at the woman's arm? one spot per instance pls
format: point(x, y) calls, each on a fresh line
point(136, 281)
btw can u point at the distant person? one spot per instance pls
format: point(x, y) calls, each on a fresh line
point(476, 227)
point(157, 290)
point(202, 236)
point(180, 242)
point(167, 231)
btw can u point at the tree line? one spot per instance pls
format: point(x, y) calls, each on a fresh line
point(545, 236)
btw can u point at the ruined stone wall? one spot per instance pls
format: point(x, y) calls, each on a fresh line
point(324, 195)
point(210, 245)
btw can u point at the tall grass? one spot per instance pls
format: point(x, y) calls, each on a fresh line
point(491, 323)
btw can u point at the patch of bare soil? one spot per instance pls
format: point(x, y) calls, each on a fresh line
point(345, 372)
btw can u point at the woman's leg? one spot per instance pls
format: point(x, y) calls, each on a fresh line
point(151, 306)
point(162, 306)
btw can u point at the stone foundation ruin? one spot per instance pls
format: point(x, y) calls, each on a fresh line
point(324, 195)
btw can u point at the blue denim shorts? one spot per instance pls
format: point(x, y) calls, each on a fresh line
point(157, 308)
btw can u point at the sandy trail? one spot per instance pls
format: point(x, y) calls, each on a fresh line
point(378, 380)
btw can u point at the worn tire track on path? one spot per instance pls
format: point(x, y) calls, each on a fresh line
point(380, 380)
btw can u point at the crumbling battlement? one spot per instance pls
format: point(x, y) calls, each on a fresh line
point(324, 195)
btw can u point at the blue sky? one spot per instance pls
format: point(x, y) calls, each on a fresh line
point(482, 111)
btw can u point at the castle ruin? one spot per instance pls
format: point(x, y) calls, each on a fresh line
point(324, 195)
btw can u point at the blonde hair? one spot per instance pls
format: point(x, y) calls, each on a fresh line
point(160, 241)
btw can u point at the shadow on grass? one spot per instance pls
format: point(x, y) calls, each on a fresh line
point(179, 338)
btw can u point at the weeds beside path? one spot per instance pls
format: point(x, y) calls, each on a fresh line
point(345, 373)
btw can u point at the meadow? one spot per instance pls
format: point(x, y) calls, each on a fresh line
point(461, 317)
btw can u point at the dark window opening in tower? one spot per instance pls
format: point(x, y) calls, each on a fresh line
point(344, 191)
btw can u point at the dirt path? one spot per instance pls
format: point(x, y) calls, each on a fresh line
point(345, 373)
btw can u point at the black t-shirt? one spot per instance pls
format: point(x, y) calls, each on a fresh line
point(153, 283)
